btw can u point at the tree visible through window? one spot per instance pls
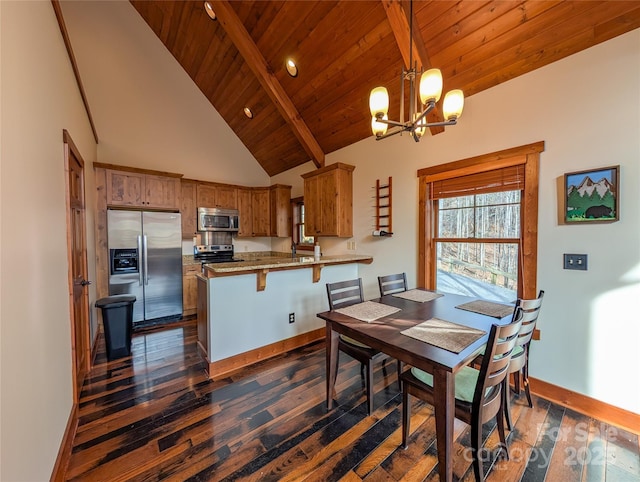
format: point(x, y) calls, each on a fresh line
point(478, 225)
point(477, 243)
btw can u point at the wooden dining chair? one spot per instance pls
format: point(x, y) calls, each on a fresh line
point(478, 393)
point(392, 283)
point(346, 293)
point(519, 364)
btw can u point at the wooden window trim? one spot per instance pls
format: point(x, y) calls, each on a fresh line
point(527, 155)
point(295, 240)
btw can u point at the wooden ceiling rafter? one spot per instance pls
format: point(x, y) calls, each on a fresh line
point(400, 25)
point(261, 69)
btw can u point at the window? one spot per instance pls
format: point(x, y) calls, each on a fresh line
point(477, 239)
point(299, 238)
point(478, 225)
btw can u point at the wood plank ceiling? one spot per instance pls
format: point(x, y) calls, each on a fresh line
point(344, 48)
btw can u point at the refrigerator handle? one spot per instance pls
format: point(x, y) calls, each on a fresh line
point(146, 264)
point(140, 280)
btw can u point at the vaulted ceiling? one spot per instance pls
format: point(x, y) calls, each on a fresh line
point(344, 48)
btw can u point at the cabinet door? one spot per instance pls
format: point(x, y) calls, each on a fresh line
point(162, 192)
point(189, 289)
point(328, 202)
point(312, 221)
point(226, 197)
point(206, 196)
point(125, 188)
point(260, 212)
point(188, 208)
point(245, 212)
point(280, 199)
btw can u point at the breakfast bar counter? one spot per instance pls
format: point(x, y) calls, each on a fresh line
point(242, 320)
point(263, 265)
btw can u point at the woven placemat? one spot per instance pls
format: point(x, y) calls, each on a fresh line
point(488, 308)
point(368, 311)
point(444, 334)
point(420, 296)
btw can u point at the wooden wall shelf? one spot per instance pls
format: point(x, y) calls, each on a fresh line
point(384, 204)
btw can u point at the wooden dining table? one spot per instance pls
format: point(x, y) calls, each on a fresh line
point(384, 334)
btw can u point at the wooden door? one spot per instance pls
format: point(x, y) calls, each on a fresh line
point(77, 253)
point(162, 192)
point(245, 211)
point(206, 196)
point(188, 208)
point(312, 205)
point(125, 188)
point(227, 197)
point(261, 218)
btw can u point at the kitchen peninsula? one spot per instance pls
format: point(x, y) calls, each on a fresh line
point(242, 319)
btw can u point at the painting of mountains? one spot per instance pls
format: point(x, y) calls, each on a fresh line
point(592, 196)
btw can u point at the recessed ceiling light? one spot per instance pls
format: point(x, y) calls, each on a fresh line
point(209, 9)
point(292, 68)
point(248, 112)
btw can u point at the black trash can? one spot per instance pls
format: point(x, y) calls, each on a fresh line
point(117, 319)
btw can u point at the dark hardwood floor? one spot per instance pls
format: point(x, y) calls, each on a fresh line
point(155, 416)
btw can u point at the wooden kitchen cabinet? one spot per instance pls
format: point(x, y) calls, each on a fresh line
point(280, 207)
point(245, 212)
point(217, 196)
point(190, 288)
point(328, 201)
point(254, 212)
point(260, 212)
point(136, 189)
point(188, 208)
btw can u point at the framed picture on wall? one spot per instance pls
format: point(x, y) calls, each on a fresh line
point(592, 196)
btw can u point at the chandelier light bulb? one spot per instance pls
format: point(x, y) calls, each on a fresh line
point(431, 86)
point(379, 102)
point(379, 128)
point(453, 104)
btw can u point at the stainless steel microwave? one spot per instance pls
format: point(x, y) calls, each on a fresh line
point(216, 219)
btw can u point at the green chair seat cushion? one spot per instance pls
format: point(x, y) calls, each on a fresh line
point(466, 380)
point(351, 341)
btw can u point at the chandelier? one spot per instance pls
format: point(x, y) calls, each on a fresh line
point(429, 93)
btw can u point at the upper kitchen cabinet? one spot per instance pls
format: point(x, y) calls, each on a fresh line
point(253, 209)
point(260, 212)
point(280, 206)
point(138, 189)
point(217, 196)
point(188, 208)
point(328, 201)
point(245, 212)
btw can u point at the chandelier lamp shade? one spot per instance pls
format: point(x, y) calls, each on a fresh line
point(429, 92)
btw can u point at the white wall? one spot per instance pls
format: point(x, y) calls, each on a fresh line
point(587, 110)
point(39, 99)
point(262, 317)
point(148, 112)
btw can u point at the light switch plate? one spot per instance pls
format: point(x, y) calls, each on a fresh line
point(575, 261)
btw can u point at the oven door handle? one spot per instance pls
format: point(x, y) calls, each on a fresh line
point(140, 279)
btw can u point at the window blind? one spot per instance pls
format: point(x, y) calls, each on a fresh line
point(505, 179)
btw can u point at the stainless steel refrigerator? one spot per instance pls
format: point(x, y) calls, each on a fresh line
point(145, 258)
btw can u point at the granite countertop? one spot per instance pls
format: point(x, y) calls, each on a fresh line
point(281, 262)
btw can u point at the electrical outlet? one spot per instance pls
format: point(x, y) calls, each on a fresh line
point(575, 261)
point(292, 317)
point(353, 245)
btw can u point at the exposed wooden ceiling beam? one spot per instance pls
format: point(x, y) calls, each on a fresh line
point(258, 65)
point(399, 21)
